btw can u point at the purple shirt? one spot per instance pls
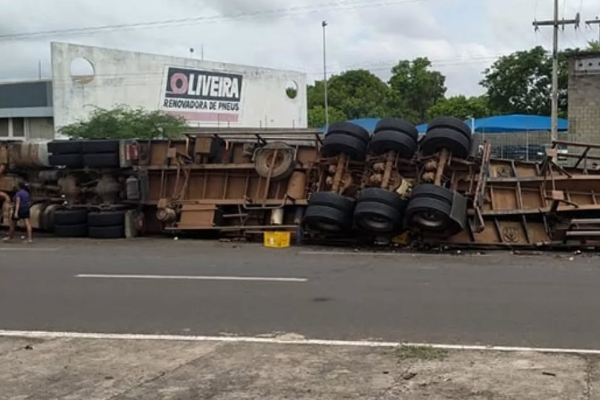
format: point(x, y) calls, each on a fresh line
point(25, 198)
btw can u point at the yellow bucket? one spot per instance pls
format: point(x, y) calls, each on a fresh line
point(277, 240)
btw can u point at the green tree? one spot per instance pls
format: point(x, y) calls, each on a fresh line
point(593, 45)
point(126, 123)
point(415, 89)
point(316, 116)
point(356, 93)
point(521, 83)
point(461, 107)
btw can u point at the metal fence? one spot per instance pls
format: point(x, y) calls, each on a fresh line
point(531, 146)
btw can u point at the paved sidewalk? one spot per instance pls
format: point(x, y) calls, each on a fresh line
point(95, 369)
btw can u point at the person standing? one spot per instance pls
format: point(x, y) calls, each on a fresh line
point(21, 212)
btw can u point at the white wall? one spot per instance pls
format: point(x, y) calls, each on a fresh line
point(139, 80)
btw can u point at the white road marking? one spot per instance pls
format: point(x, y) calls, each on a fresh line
point(198, 278)
point(34, 249)
point(314, 342)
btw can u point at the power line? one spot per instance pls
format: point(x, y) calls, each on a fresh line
point(280, 12)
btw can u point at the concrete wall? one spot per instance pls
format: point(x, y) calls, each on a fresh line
point(584, 97)
point(142, 80)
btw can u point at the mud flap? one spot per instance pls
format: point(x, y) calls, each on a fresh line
point(458, 215)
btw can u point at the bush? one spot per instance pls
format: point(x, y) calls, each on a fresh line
point(126, 123)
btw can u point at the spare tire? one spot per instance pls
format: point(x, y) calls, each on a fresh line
point(397, 125)
point(448, 139)
point(70, 217)
point(347, 128)
point(385, 141)
point(452, 123)
point(101, 146)
point(280, 168)
point(334, 145)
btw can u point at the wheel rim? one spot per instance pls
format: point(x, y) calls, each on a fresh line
point(430, 219)
point(375, 223)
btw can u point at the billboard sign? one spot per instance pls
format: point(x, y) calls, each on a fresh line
point(202, 96)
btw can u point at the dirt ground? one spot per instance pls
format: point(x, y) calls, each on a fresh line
point(98, 369)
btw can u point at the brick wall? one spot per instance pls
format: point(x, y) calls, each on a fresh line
point(584, 97)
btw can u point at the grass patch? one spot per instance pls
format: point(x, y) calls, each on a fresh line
point(423, 353)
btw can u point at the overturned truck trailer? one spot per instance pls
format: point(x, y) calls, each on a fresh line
point(349, 186)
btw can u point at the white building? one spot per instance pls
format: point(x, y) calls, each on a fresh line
point(205, 93)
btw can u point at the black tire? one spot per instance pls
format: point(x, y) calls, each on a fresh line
point(430, 191)
point(65, 147)
point(382, 196)
point(284, 162)
point(349, 129)
point(70, 217)
point(77, 230)
point(107, 218)
point(107, 232)
point(102, 160)
point(377, 217)
point(429, 214)
point(385, 141)
point(452, 123)
point(327, 219)
point(333, 200)
point(334, 145)
point(438, 139)
point(66, 160)
point(397, 125)
point(101, 146)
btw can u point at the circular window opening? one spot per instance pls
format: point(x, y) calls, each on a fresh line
point(82, 70)
point(291, 90)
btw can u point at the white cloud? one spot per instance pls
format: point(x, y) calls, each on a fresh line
point(462, 37)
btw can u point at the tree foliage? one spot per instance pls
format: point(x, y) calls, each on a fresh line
point(126, 123)
point(461, 107)
point(521, 83)
point(415, 89)
point(316, 116)
point(412, 90)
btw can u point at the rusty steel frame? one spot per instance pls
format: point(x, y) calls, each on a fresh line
point(510, 203)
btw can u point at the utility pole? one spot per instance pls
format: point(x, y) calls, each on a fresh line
point(594, 22)
point(556, 23)
point(324, 24)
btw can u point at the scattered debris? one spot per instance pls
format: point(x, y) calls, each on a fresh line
point(408, 376)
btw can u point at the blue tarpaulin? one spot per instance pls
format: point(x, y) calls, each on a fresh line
point(499, 124)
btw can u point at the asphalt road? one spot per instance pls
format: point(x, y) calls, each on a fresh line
point(493, 299)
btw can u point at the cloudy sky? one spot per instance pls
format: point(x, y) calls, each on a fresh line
point(461, 37)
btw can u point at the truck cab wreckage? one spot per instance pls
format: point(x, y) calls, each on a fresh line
point(349, 186)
